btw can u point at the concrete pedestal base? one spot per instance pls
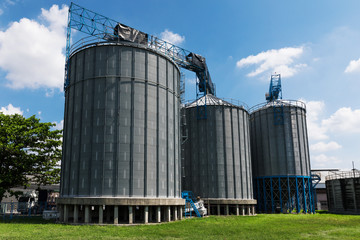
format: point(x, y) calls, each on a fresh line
point(230, 206)
point(119, 210)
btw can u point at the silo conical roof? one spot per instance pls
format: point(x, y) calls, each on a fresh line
point(209, 99)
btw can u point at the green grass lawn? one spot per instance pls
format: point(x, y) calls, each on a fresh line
point(262, 226)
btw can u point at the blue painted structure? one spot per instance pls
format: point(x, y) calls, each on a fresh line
point(190, 203)
point(275, 91)
point(284, 194)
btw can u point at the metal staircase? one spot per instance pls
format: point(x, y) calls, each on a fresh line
point(190, 204)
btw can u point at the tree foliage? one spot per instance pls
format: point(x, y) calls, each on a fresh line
point(29, 152)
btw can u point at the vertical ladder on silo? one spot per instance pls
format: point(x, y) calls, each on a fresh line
point(200, 101)
point(182, 88)
point(184, 130)
point(278, 114)
point(189, 203)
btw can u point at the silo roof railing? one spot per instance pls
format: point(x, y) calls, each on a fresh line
point(212, 100)
point(280, 102)
point(341, 175)
point(237, 103)
point(100, 39)
point(86, 42)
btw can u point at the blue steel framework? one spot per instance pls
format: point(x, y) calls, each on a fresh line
point(275, 93)
point(284, 194)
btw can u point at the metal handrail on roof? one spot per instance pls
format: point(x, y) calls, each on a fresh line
point(237, 103)
point(221, 101)
point(342, 175)
point(279, 102)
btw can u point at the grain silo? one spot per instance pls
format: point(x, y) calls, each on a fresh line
point(343, 192)
point(280, 157)
point(121, 152)
point(217, 161)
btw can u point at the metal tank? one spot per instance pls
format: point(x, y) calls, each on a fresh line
point(343, 192)
point(217, 160)
point(121, 151)
point(280, 154)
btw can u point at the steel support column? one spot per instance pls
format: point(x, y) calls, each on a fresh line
point(304, 195)
point(297, 197)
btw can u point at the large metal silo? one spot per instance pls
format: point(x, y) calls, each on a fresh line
point(280, 154)
point(121, 151)
point(216, 159)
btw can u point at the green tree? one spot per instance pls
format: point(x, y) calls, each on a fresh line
point(29, 152)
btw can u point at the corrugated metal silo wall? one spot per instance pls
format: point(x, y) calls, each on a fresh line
point(121, 125)
point(217, 153)
point(343, 195)
point(279, 150)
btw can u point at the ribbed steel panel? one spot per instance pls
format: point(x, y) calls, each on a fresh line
point(217, 152)
point(343, 195)
point(121, 124)
point(279, 149)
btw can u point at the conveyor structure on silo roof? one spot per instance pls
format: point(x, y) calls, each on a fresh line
point(280, 155)
point(217, 160)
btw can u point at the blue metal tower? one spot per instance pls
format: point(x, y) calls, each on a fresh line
point(273, 95)
point(274, 89)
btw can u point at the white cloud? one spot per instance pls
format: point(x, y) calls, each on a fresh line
point(59, 125)
point(274, 60)
point(323, 160)
point(31, 52)
point(338, 128)
point(10, 2)
point(5, 5)
point(324, 147)
point(344, 120)
point(171, 37)
point(354, 66)
point(314, 110)
point(10, 110)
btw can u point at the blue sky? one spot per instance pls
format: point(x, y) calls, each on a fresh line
point(314, 45)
